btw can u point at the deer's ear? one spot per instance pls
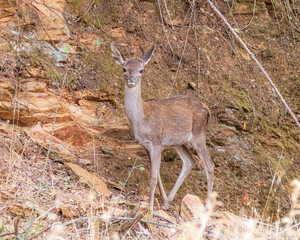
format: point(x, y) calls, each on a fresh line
point(117, 55)
point(147, 56)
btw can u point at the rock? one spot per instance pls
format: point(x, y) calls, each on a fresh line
point(70, 133)
point(34, 86)
point(192, 85)
point(65, 48)
point(191, 207)
point(89, 179)
point(230, 120)
point(206, 30)
point(61, 148)
point(69, 211)
point(6, 84)
point(17, 210)
point(52, 20)
point(35, 72)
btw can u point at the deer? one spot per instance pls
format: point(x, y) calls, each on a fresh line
point(177, 122)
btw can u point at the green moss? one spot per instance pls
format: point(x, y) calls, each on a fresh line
point(109, 73)
point(257, 150)
point(38, 59)
point(237, 97)
point(281, 133)
point(52, 73)
point(97, 15)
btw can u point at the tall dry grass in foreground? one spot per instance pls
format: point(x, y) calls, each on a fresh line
point(66, 209)
point(211, 225)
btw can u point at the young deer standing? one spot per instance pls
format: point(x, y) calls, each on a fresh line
point(174, 122)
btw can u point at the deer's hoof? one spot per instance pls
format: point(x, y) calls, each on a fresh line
point(166, 205)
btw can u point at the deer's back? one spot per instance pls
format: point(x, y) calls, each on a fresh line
point(176, 120)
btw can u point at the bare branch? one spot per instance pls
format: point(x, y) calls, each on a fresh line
point(256, 61)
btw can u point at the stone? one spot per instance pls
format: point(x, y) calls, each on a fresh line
point(59, 147)
point(55, 27)
point(192, 85)
point(17, 210)
point(191, 207)
point(34, 86)
point(206, 30)
point(89, 179)
point(69, 211)
point(70, 133)
point(35, 72)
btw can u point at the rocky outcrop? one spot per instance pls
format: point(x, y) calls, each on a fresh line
point(89, 179)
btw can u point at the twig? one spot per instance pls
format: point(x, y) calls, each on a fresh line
point(256, 61)
point(286, 8)
point(277, 20)
point(168, 13)
point(162, 218)
point(253, 14)
point(164, 28)
point(285, 230)
point(16, 232)
point(118, 218)
point(7, 234)
point(133, 167)
point(184, 47)
point(198, 55)
point(49, 210)
point(89, 7)
point(128, 225)
point(16, 226)
point(39, 233)
point(134, 210)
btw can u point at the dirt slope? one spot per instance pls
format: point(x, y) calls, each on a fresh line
point(254, 142)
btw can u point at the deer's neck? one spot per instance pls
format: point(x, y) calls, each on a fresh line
point(134, 105)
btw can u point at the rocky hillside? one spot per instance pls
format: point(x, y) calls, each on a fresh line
point(60, 89)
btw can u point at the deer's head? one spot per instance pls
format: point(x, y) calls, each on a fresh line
point(133, 68)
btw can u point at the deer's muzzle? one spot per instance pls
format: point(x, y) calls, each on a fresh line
point(131, 81)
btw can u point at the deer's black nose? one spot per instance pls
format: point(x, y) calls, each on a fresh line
point(131, 79)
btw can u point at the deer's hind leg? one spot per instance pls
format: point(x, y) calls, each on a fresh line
point(187, 165)
point(199, 144)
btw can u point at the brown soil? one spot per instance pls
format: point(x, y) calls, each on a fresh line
point(251, 137)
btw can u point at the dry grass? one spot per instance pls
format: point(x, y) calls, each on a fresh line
point(19, 186)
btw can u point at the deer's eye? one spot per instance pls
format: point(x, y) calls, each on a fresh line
point(141, 71)
point(124, 70)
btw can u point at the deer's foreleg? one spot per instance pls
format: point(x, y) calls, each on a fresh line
point(155, 158)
